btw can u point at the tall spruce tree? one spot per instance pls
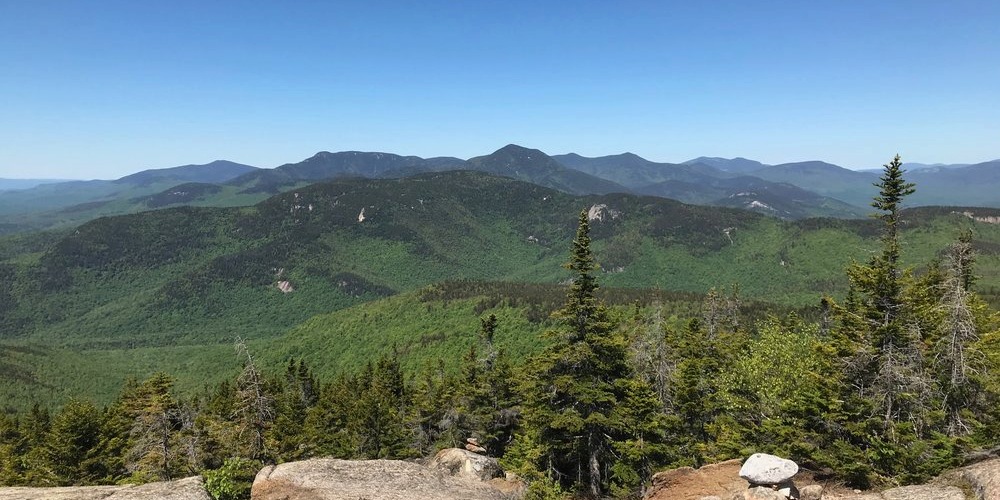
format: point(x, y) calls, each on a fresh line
point(888, 371)
point(887, 392)
point(71, 449)
point(583, 383)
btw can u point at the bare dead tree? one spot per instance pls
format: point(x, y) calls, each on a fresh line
point(957, 362)
point(190, 437)
point(151, 451)
point(651, 356)
point(254, 407)
point(900, 390)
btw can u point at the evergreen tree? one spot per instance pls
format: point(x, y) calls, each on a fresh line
point(889, 369)
point(327, 427)
point(489, 391)
point(150, 454)
point(71, 447)
point(582, 383)
point(433, 415)
point(694, 393)
point(12, 447)
point(296, 394)
point(378, 419)
point(883, 324)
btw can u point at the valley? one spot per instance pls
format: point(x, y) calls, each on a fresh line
point(171, 289)
point(383, 289)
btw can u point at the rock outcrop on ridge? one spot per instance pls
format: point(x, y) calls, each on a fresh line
point(190, 488)
point(333, 479)
point(722, 481)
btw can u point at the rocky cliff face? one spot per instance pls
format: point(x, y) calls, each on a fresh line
point(332, 479)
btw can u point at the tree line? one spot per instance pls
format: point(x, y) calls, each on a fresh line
point(889, 385)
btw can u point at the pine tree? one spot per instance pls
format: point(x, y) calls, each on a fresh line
point(12, 447)
point(889, 370)
point(433, 416)
point(489, 390)
point(71, 447)
point(582, 384)
point(296, 394)
point(379, 415)
point(327, 426)
point(693, 392)
point(150, 453)
point(880, 336)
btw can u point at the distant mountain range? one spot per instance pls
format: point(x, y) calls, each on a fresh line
point(168, 289)
point(217, 171)
point(788, 191)
point(16, 184)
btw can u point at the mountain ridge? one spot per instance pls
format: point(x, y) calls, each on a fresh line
point(170, 288)
point(820, 188)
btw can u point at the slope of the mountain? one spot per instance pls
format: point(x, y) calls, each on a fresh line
point(55, 195)
point(751, 193)
point(910, 167)
point(61, 195)
point(636, 172)
point(783, 200)
point(704, 184)
point(532, 165)
point(186, 193)
point(65, 204)
point(738, 165)
point(210, 173)
point(17, 184)
point(325, 165)
point(850, 186)
point(974, 185)
point(201, 272)
point(167, 289)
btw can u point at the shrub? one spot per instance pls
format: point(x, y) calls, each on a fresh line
point(233, 480)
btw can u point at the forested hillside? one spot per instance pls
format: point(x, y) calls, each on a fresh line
point(586, 395)
point(171, 289)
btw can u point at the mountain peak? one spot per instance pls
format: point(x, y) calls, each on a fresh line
point(216, 171)
point(513, 156)
point(533, 165)
point(738, 165)
point(516, 150)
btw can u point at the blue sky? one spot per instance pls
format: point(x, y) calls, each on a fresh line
point(104, 88)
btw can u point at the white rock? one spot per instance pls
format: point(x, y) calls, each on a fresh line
point(762, 468)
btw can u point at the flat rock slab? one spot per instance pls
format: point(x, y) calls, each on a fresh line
point(982, 477)
point(918, 492)
point(762, 468)
point(332, 479)
point(685, 483)
point(924, 492)
point(190, 488)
